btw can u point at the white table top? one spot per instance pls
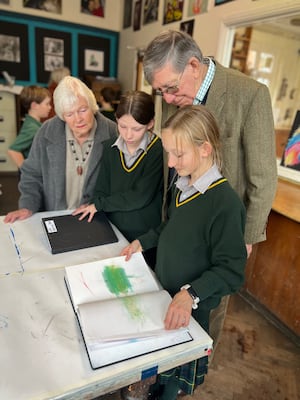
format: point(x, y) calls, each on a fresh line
point(35, 255)
point(42, 351)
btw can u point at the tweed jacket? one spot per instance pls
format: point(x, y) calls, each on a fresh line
point(43, 179)
point(243, 110)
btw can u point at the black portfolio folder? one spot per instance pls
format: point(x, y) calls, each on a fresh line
point(67, 233)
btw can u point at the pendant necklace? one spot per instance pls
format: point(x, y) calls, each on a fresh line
point(79, 167)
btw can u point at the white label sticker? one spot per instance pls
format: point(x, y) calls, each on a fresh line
point(50, 226)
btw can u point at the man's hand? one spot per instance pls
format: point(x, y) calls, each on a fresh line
point(21, 214)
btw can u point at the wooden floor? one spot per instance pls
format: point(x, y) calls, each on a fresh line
point(253, 361)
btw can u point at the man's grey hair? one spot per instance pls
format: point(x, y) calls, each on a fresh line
point(172, 47)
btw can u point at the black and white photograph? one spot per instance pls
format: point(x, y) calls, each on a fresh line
point(53, 53)
point(93, 55)
point(53, 46)
point(14, 50)
point(53, 62)
point(10, 48)
point(94, 60)
point(53, 49)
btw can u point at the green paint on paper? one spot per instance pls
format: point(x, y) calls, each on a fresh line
point(133, 308)
point(116, 280)
point(119, 284)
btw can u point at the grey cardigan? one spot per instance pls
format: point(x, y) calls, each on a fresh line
point(243, 110)
point(42, 184)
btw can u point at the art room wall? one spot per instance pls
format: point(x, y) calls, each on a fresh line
point(75, 37)
point(70, 12)
point(213, 30)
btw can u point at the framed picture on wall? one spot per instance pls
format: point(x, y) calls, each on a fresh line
point(94, 60)
point(266, 62)
point(93, 55)
point(53, 50)
point(127, 15)
point(150, 11)
point(137, 13)
point(196, 7)
point(173, 11)
point(96, 8)
point(291, 154)
point(141, 83)
point(219, 2)
point(187, 27)
point(14, 50)
point(53, 6)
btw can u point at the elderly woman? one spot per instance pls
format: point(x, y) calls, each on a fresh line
point(63, 164)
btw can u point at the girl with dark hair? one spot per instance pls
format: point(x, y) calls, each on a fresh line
point(129, 184)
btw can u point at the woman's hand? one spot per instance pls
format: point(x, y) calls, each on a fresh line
point(86, 209)
point(133, 247)
point(179, 311)
point(21, 214)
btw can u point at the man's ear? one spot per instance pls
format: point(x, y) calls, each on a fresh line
point(195, 65)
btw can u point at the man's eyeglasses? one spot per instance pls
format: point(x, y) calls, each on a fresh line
point(170, 89)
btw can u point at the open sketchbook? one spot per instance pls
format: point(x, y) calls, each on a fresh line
point(120, 309)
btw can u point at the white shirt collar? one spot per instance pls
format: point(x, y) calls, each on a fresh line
point(202, 183)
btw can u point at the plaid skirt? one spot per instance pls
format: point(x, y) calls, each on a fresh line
point(190, 375)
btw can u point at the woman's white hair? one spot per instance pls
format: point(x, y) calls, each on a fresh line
point(67, 93)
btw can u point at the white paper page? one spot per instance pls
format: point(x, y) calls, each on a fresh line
point(111, 352)
point(124, 317)
point(110, 278)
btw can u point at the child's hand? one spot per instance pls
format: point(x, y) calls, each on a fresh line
point(86, 210)
point(179, 311)
point(133, 247)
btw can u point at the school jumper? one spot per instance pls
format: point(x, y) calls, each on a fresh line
point(202, 244)
point(131, 196)
point(25, 137)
